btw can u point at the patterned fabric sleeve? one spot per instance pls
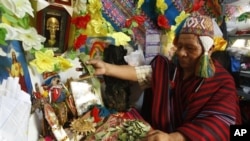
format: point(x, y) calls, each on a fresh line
point(144, 75)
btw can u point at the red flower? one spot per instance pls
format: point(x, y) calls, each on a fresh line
point(82, 21)
point(197, 5)
point(81, 40)
point(139, 19)
point(162, 22)
point(128, 23)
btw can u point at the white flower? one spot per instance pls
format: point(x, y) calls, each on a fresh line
point(30, 38)
point(18, 7)
point(80, 6)
point(11, 31)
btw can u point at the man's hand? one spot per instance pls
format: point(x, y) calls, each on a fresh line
point(99, 66)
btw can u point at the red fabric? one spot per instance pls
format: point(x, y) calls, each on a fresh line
point(198, 108)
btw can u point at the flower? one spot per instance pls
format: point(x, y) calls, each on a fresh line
point(197, 5)
point(30, 39)
point(139, 3)
point(81, 21)
point(15, 25)
point(162, 22)
point(161, 6)
point(18, 7)
point(178, 20)
point(137, 18)
point(11, 31)
point(99, 27)
point(120, 38)
point(80, 40)
point(94, 6)
point(64, 64)
point(80, 6)
point(182, 16)
point(44, 61)
point(16, 22)
point(90, 23)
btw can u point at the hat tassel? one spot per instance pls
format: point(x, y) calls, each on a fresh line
point(205, 67)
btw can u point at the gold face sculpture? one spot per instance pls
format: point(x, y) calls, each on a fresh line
point(52, 26)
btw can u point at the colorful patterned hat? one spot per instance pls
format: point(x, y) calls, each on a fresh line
point(198, 24)
point(203, 27)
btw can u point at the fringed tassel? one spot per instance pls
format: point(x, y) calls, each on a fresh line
point(206, 68)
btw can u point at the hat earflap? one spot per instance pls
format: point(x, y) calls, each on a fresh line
point(205, 67)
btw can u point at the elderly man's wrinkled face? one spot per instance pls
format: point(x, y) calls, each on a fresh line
point(188, 51)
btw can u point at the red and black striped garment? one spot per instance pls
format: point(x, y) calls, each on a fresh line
point(200, 109)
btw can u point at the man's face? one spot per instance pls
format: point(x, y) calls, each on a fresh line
point(188, 51)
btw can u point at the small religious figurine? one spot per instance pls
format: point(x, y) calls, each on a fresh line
point(53, 84)
point(57, 95)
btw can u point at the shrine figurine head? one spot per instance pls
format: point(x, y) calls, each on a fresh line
point(51, 78)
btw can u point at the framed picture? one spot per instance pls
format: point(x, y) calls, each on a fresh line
point(53, 22)
point(14, 64)
point(95, 46)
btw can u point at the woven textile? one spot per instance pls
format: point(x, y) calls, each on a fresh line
point(198, 24)
point(117, 12)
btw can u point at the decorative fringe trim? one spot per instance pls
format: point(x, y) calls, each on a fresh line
point(205, 67)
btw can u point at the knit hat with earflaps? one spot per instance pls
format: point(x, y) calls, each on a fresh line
point(202, 26)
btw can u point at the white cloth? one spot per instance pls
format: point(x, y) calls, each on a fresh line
point(15, 107)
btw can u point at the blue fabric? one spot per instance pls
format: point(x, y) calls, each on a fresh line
point(171, 12)
point(149, 8)
point(235, 64)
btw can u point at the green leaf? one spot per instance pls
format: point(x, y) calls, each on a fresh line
point(130, 32)
point(10, 18)
point(57, 67)
point(24, 22)
point(124, 30)
point(134, 24)
point(72, 54)
point(3, 33)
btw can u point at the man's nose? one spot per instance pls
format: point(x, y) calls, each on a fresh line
point(182, 52)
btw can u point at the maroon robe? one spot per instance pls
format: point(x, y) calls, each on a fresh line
point(200, 109)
